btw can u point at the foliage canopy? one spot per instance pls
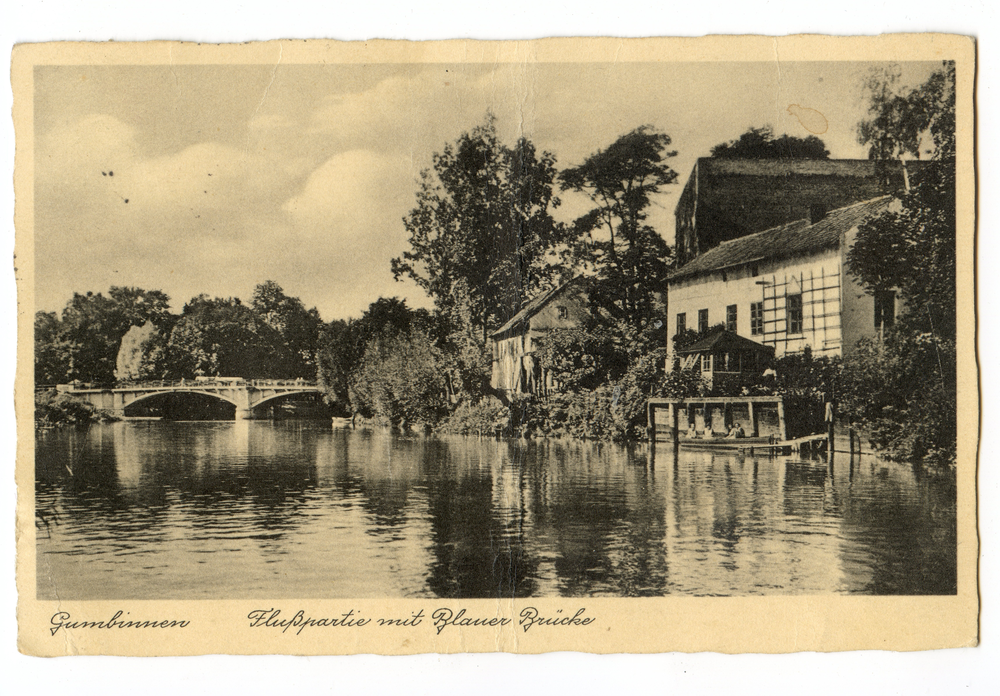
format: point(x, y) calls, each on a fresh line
point(760, 143)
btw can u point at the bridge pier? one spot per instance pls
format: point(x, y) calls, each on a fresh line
point(241, 397)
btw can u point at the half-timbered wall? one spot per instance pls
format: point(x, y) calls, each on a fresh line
point(814, 279)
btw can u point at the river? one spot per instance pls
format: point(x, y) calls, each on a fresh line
point(296, 509)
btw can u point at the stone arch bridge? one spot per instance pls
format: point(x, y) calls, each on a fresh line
point(245, 395)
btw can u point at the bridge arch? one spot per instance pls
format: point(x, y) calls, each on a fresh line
point(150, 395)
point(282, 395)
point(182, 404)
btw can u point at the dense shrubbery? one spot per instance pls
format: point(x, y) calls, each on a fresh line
point(487, 417)
point(52, 408)
point(398, 380)
point(903, 390)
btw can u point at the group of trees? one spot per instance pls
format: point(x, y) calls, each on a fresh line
point(904, 386)
point(760, 143)
point(131, 335)
point(389, 364)
point(83, 342)
point(483, 241)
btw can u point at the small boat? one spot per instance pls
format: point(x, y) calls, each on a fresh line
point(342, 422)
point(726, 442)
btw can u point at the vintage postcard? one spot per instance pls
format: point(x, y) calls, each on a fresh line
point(598, 345)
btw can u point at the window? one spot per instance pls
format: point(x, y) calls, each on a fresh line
point(681, 323)
point(756, 318)
point(793, 313)
point(885, 309)
point(702, 320)
point(562, 312)
point(731, 318)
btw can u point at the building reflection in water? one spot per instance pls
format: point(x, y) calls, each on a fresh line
point(295, 509)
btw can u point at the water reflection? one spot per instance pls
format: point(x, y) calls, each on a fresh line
point(295, 509)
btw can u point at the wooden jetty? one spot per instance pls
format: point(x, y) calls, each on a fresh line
point(704, 422)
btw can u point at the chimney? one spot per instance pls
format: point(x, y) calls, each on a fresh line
point(817, 211)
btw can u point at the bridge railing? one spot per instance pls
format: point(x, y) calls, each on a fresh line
point(188, 383)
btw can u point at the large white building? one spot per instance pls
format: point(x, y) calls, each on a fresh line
point(786, 287)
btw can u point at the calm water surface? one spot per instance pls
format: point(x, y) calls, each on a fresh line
point(295, 509)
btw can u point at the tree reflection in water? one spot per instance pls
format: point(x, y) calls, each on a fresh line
point(295, 509)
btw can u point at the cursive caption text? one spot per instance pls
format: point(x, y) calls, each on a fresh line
point(63, 620)
point(439, 619)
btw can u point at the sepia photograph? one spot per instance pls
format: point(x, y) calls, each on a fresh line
point(432, 326)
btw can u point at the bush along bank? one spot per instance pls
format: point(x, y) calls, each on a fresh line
point(53, 409)
point(616, 410)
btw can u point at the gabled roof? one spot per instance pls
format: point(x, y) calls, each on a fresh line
point(793, 239)
point(532, 307)
point(728, 341)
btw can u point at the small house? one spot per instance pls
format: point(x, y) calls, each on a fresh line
point(725, 355)
point(516, 368)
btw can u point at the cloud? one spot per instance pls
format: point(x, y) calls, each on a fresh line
point(354, 188)
point(268, 122)
point(425, 107)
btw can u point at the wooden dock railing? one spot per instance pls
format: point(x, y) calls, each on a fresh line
point(708, 418)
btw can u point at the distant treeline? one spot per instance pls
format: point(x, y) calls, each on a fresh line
point(130, 335)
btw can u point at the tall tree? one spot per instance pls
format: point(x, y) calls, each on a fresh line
point(222, 337)
point(92, 327)
point(298, 328)
point(760, 143)
point(630, 258)
point(482, 236)
point(905, 385)
point(52, 350)
point(902, 121)
point(336, 358)
point(913, 249)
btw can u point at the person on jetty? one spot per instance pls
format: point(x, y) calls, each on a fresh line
point(736, 431)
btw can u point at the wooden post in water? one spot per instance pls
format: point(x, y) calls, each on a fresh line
point(651, 421)
point(830, 414)
point(752, 425)
point(781, 420)
point(674, 408)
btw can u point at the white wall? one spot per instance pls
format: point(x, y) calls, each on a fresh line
point(816, 277)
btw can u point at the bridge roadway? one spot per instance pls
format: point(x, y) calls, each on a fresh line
point(245, 395)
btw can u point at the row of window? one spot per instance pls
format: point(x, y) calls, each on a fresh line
point(793, 316)
point(885, 315)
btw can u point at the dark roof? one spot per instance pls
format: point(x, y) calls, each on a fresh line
point(786, 166)
point(792, 239)
point(725, 340)
point(532, 307)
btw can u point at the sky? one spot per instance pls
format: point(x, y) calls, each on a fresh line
point(213, 179)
